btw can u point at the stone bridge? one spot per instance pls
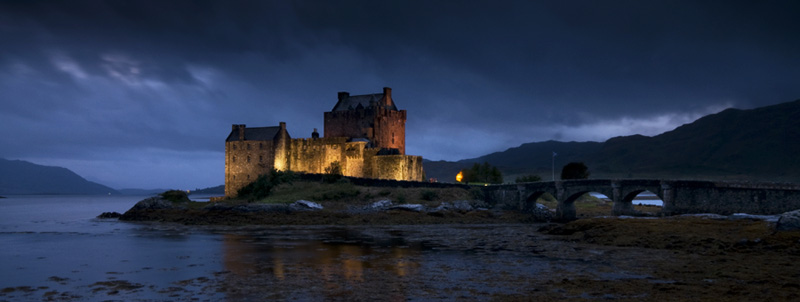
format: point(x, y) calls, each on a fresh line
point(678, 196)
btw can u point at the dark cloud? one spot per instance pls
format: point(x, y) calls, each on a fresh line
point(147, 81)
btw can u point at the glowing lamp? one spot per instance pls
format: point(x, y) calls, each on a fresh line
point(459, 176)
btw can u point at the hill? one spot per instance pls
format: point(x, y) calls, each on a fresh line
point(759, 144)
point(21, 177)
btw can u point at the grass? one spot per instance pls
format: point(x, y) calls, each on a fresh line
point(344, 192)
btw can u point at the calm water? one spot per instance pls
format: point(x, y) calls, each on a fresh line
point(54, 248)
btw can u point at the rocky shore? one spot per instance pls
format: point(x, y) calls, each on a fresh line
point(303, 212)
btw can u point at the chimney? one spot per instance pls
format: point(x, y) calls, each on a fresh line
point(241, 132)
point(343, 95)
point(315, 134)
point(387, 96)
point(283, 126)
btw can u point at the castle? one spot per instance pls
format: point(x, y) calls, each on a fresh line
point(365, 134)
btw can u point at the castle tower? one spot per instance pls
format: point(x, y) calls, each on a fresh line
point(374, 117)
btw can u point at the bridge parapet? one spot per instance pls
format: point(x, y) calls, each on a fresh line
point(678, 196)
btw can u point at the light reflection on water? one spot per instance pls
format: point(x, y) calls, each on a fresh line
point(54, 246)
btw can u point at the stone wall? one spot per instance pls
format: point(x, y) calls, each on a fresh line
point(728, 198)
point(355, 123)
point(244, 161)
point(390, 129)
point(397, 167)
point(384, 127)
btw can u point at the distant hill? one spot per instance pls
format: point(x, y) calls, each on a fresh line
point(761, 144)
point(141, 192)
point(211, 190)
point(21, 177)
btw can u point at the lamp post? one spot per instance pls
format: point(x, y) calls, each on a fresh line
point(554, 165)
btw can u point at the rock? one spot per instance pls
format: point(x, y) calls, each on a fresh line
point(706, 216)
point(542, 213)
point(789, 221)
point(109, 215)
point(458, 205)
point(409, 207)
point(155, 203)
point(380, 204)
point(767, 218)
point(248, 208)
point(305, 205)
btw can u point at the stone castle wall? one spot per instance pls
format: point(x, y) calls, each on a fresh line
point(314, 155)
point(384, 127)
point(244, 161)
point(390, 129)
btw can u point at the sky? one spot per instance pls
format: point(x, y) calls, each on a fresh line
point(142, 94)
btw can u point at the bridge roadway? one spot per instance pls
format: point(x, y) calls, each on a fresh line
point(678, 196)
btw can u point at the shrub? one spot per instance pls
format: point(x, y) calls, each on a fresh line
point(333, 173)
point(175, 196)
point(528, 178)
point(263, 185)
point(429, 195)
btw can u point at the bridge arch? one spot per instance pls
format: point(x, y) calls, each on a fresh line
point(529, 204)
point(567, 204)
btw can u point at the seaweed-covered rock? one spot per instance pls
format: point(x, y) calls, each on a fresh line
point(154, 203)
point(408, 207)
point(541, 213)
point(305, 205)
point(458, 205)
point(789, 221)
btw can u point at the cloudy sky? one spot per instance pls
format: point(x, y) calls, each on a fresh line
point(143, 93)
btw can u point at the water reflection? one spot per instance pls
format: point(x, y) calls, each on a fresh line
point(339, 263)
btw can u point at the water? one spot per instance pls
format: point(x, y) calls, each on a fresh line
point(53, 248)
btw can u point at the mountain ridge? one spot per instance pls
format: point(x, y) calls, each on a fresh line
point(18, 177)
point(756, 144)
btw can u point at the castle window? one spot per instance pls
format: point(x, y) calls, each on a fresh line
point(233, 159)
point(248, 160)
point(234, 146)
point(392, 138)
point(261, 146)
point(248, 146)
point(260, 158)
point(248, 176)
point(234, 177)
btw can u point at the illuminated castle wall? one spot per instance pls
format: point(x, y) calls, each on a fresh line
point(364, 133)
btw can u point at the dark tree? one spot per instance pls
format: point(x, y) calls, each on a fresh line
point(482, 173)
point(575, 170)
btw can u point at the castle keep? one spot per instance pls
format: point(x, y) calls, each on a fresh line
point(365, 134)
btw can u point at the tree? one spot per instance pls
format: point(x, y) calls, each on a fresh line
point(482, 173)
point(575, 170)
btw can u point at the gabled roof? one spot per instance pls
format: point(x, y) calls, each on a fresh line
point(354, 101)
point(255, 134)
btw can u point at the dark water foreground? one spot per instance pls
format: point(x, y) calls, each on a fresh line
point(52, 249)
